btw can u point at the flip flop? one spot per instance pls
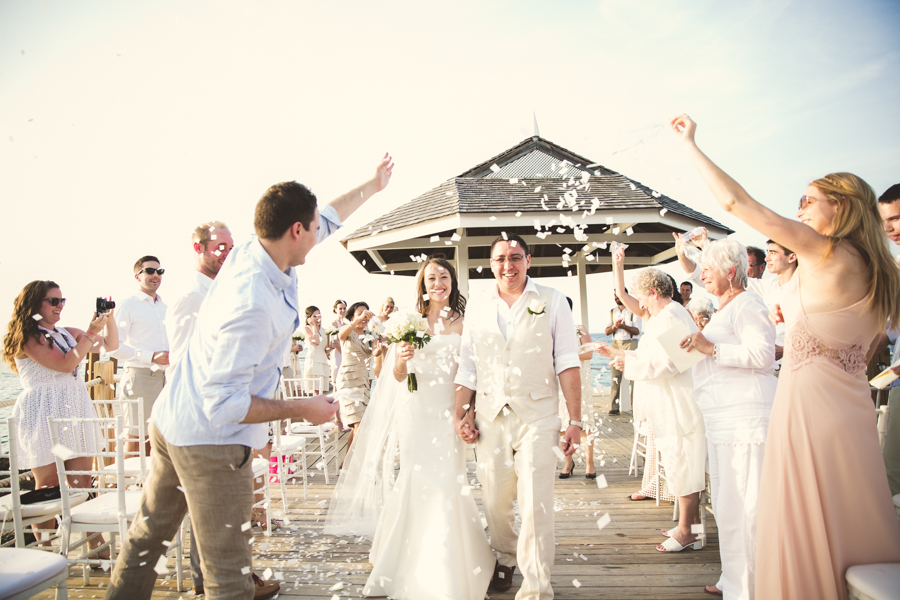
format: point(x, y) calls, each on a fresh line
point(629, 496)
point(672, 545)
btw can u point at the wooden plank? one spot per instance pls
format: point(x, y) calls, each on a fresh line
point(618, 562)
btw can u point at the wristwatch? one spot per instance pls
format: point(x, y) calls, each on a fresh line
point(578, 424)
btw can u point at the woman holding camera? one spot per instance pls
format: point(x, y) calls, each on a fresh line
point(48, 361)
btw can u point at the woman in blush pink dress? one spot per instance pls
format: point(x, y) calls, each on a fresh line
point(824, 502)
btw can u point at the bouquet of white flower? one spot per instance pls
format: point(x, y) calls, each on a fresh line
point(298, 336)
point(408, 327)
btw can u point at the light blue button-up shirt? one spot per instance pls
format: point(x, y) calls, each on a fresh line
point(235, 351)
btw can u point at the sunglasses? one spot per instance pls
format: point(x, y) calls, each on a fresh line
point(152, 271)
point(56, 301)
point(806, 201)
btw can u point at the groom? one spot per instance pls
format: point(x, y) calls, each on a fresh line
point(519, 339)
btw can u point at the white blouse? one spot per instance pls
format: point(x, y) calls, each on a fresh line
point(735, 391)
point(668, 394)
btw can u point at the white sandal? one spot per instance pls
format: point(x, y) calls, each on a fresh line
point(673, 545)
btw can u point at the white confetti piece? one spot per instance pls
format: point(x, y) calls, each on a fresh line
point(576, 583)
point(455, 237)
point(62, 452)
point(492, 218)
point(603, 521)
point(519, 213)
point(435, 238)
point(616, 230)
point(495, 168)
point(161, 567)
point(629, 231)
point(245, 570)
point(476, 570)
point(336, 587)
point(558, 452)
point(514, 181)
point(246, 526)
point(37, 317)
point(601, 481)
point(663, 212)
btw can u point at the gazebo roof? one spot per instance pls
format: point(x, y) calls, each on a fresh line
point(558, 201)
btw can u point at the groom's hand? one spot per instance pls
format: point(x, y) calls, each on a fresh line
point(571, 439)
point(465, 428)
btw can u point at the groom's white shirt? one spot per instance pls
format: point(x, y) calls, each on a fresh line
point(565, 347)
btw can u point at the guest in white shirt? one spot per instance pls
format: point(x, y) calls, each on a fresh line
point(212, 243)
point(687, 289)
point(143, 345)
point(735, 388)
point(674, 417)
point(889, 209)
point(220, 397)
point(625, 328)
point(781, 262)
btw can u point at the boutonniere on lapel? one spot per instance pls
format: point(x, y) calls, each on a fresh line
point(536, 307)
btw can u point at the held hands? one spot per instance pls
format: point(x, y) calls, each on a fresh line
point(609, 351)
point(571, 439)
point(465, 427)
point(383, 172)
point(618, 363)
point(696, 341)
point(161, 358)
point(684, 127)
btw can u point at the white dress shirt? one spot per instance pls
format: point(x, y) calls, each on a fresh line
point(183, 315)
point(565, 347)
point(142, 330)
point(236, 350)
point(629, 319)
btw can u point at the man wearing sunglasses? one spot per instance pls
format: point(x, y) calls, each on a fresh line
point(143, 346)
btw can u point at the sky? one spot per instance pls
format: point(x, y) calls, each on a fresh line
point(123, 125)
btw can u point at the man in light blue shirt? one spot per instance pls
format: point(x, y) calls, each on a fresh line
point(218, 398)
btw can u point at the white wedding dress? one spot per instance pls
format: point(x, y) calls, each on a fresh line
point(429, 541)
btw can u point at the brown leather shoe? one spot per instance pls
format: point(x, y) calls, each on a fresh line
point(502, 579)
point(264, 588)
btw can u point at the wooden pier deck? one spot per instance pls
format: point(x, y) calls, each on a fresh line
point(617, 562)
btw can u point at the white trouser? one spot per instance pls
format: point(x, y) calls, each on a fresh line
point(734, 474)
point(516, 461)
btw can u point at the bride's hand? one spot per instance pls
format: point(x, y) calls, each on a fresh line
point(405, 351)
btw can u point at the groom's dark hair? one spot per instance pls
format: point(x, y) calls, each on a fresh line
point(511, 237)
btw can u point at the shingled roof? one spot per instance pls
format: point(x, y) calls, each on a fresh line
point(535, 175)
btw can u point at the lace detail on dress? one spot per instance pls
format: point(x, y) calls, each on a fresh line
point(803, 346)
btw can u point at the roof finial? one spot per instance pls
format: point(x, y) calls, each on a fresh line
point(537, 132)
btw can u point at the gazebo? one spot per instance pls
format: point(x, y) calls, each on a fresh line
point(567, 208)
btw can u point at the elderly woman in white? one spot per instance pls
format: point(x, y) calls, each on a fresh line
point(669, 395)
point(735, 388)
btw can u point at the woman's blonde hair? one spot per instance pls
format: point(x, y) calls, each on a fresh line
point(857, 221)
point(653, 279)
point(23, 325)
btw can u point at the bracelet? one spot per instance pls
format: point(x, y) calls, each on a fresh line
point(92, 340)
point(398, 372)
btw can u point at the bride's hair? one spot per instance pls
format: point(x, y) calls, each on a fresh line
point(457, 300)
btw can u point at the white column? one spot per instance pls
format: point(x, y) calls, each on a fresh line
point(582, 288)
point(462, 262)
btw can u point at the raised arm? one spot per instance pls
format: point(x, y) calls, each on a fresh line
point(630, 302)
point(809, 245)
point(346, 204)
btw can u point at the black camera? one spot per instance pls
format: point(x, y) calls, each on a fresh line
point(104, 305)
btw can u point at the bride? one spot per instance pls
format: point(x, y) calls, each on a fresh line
point(427, 536)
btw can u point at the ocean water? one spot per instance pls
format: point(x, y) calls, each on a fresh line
point(10, 386)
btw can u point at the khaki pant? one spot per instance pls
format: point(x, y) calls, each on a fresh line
point(516, 462)
point(218, 489)
point(146, 384)
point(617, 375)
point(891, 449)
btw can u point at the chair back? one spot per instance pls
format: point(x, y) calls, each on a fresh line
point(110, 409)
point(301, 387)
point(86, 438)
point(13, 473)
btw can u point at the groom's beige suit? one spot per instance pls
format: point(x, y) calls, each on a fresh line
point(511, 358)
